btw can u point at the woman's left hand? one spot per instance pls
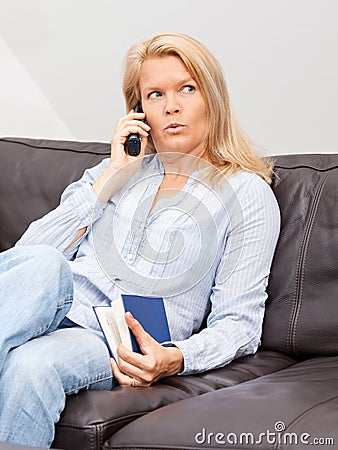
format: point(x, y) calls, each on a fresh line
point(155, 362)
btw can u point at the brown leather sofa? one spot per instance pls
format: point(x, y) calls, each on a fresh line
point(286, 395)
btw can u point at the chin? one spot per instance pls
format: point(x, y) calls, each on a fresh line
point(170, 155)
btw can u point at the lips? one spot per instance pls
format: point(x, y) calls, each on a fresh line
point(174, 127)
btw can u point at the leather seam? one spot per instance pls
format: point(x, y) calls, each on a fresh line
point(294, 305)
point(306, 246)
point(70, 150)
point(103, 426)
point(294, 317)
point(302, 166)
point(92, 429)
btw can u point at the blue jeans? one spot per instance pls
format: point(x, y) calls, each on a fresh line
point(43, 357)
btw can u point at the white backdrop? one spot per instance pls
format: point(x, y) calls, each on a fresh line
point(60, 64)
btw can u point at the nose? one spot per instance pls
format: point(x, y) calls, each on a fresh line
point(172, 110)
point(172, 106)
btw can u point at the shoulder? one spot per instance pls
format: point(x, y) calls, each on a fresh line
point(243, 180)
point(250, 187)
point(252, 196)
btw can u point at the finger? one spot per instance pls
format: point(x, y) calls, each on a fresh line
point(139, 123)
point(145, 341)
point(121, 377)
point(132, 121)
point(133, 128)
point(135, 118)
point(134, 325)
point(132, 116)
point(123, 372)
point(133, 371)
point(138, 331)
point(128, 360)
point(132, 113)
point(146, 376)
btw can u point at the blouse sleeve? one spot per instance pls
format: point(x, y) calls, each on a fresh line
point(234, 324)
point(78, 208)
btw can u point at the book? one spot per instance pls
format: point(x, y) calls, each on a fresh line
point(149, 311)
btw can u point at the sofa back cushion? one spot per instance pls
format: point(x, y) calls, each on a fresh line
point(34, 173)
point(302, 309)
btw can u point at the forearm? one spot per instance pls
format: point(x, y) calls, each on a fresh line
point(80, 234)
point(103, 187)
point(113, 178)
point(65, 226)
point(212, 348)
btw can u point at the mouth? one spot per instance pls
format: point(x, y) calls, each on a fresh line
point(174, 127)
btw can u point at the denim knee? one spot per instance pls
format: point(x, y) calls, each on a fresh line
point(27, 368)
point(49, 266)
point(43, 255)
point(37, 279)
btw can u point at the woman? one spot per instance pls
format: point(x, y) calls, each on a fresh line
point(191, 219)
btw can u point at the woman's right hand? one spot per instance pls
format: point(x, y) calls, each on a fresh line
point(131, 123)
point(122, 166)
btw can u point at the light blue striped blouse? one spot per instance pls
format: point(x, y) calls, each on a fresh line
point(207, 251)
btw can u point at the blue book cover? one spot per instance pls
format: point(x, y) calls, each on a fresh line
point(149, 311)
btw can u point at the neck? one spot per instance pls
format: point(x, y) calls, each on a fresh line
point(182, 163)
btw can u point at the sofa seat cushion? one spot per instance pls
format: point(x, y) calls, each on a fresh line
point(301, 400)
point(91, 417)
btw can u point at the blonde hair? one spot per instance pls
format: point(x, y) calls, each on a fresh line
point(228, 147)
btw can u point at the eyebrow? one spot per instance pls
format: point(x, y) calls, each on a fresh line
point(181, 82)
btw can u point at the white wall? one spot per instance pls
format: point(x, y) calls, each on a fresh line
point(60, 64)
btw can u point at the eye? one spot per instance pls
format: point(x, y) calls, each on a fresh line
point(188, 89)
point(154, 94)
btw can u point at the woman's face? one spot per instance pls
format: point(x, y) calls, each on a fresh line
point(174, 106)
